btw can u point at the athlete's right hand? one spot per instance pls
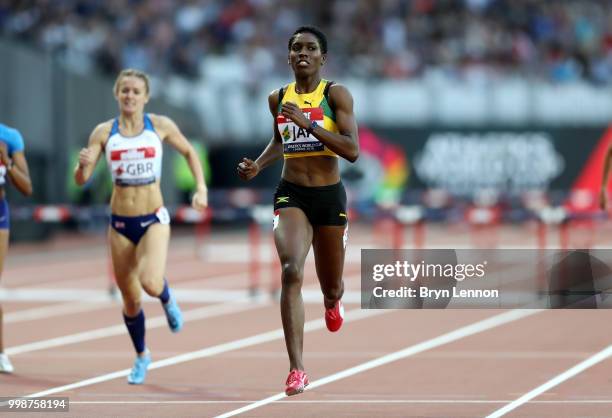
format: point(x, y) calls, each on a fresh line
point(86, 157)
point(248, 169)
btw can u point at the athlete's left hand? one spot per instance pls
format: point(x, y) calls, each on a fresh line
point(292, 111)
point(199, 201)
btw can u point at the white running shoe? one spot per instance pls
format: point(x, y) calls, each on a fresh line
point(5, 364)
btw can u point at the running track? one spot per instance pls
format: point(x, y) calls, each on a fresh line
point(65, 337)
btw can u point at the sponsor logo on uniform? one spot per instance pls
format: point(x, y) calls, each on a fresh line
point(163, 216)
point(133, 154)
point(147, 223)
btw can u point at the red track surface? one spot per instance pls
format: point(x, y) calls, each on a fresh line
point(470, 377)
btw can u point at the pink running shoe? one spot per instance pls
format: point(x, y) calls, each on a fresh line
point(296, 382)
point(334, 317)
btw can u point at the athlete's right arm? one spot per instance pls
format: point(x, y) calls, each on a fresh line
point(248, 169)
point(603, 193)
point(89, 156)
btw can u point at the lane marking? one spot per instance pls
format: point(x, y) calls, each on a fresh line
point(327, 355)
point(316, 324)
point(45, 312)
point(354, 401)
point(231, 302)
point(557, 380)
point(228, 298)
point(90, 300)
point(154, 322)
point(187, 295)
point(176, 280)
point(462, 332)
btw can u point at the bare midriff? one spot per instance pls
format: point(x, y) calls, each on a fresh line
point(136, 200)
point(312, 171)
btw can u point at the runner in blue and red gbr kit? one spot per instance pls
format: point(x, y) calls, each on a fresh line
point(140, 224)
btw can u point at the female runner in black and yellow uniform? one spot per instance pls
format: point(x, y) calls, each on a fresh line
point(313, 126)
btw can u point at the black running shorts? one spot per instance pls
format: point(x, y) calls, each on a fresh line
point(323, 205)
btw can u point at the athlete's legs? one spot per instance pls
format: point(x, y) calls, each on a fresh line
point(151, 254)
point(4, 240)
point(293, 237)
point(123, 255)
point(328, 247)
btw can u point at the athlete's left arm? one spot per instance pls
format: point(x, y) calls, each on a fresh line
point(20, 174)
point(174, 137)
point(17, 169)
point(346, 142)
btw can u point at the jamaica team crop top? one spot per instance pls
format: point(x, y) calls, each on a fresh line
point(296, 141)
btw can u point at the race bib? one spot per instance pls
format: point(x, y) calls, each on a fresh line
point(163, 215)
point(2, 174)
point(296, 139)
point(133, 167)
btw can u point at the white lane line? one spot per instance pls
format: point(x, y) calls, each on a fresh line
point(94, 300)
point(93, 249)
point(568, 374)
point(195, 295)
point(83, 300)
point(354, 401)
point(232, 301)
point(465, 331)
point(32, 292)
point(177, 278)
point(154, 322)
point(45, 312)
point(42, 294)
point(265, 337)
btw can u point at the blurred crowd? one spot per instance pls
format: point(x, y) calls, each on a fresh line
point(560, 41)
